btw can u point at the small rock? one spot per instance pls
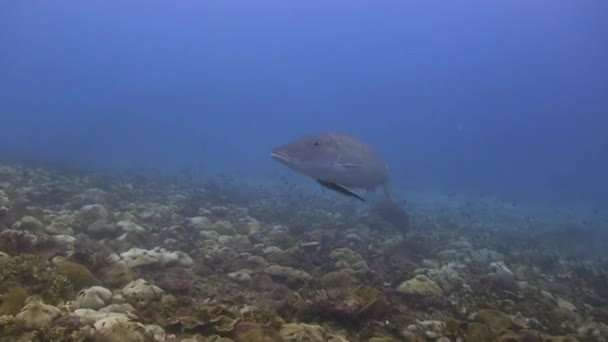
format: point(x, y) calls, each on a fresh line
point(286, 272)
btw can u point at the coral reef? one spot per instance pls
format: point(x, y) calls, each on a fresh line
point(86, 257)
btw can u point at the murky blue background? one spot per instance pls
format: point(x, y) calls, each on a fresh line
point(501, 97)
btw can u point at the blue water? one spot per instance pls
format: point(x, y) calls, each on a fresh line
point(506, 98)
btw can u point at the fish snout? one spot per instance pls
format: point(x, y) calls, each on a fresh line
point(281, 155)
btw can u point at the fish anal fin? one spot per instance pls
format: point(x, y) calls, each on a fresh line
point(340, 189)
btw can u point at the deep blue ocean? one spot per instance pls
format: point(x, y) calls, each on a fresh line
point(500, 98)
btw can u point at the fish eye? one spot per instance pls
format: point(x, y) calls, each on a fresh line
point(316, 143)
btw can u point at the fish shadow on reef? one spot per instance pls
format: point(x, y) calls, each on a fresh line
point(393, 213)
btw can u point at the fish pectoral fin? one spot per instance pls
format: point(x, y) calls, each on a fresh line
point(350, 165)
point(340, 189)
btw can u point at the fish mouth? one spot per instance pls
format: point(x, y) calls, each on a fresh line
point(281, 157)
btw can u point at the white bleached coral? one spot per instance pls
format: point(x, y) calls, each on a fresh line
point(94, 297)
point(136, 257)
point(141, 289)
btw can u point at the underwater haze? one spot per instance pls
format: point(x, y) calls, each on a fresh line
point(507, 98)
point(192, 170)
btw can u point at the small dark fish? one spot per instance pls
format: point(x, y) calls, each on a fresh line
point(336, 161)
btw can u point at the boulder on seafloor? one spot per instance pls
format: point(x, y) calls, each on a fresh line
point(94, 298)
point(346, 258)
point(29, 223)
point(115, 274)
point(142, 289)
point(111, 329)
point(420, 286)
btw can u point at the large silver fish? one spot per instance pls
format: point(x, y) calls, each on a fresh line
point(338, 162)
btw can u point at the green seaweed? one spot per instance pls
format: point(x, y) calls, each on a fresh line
point(77, 274)
point(336, 279)
point(37, 276)
point(13, 300)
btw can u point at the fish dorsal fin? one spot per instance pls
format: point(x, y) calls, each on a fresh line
point(340, 189)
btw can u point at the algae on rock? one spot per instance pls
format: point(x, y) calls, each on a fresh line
point(13, 300)
point(79, 275)
point(420, 285)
